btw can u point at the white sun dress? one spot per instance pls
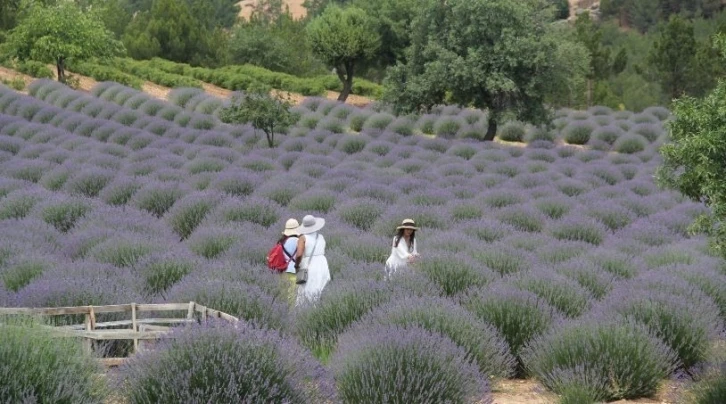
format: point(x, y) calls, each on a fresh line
point(399, 256)
point(318, 272)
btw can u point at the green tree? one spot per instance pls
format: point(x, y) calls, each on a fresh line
point(265, 112)
point(170, 29)
point(274, 40)
point(493, 54)
point(60, 33)
point(672, 56)
point(694, 161)
point(343, 38)
point(602, 63)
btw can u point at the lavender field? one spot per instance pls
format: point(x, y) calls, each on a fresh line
point(552, 255)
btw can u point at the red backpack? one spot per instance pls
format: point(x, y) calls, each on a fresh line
point(276, 257)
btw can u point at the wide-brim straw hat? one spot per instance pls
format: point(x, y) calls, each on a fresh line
point(407, 224)
point(291, 227)
point(311, 224)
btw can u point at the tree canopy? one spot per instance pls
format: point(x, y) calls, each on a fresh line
point(342, 38)
point(265, 112)
point(499, 55)
point(694, 161)
point(672, 55)
point(59, 33)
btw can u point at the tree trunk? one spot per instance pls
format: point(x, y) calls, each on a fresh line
point(61, 67)
point(270, 133)
point(491, 129)
point(346, 79)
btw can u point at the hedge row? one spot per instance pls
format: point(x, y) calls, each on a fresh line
point(148, 71)
point(241, 77)
point(30, 67)
point(106, 73)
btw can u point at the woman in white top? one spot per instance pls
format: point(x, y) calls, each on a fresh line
point(403, 249)
point(311, 254)
point(289, 240)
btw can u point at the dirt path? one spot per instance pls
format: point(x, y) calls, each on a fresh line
point(530, 392)
point(86, 83)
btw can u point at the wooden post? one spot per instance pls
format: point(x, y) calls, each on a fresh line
point(134, 326)
point(190, 312)
point(86, 340)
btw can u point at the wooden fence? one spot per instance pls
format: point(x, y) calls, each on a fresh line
point(136, 329)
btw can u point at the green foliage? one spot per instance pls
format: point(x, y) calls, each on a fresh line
point(19, 275)
point(343, 38)
point(146, 71)
point(106, 73)
point(173, 30)
point(63, 216)
point(672, 55)
point(494, 55)
point(693, 160)
point(263, 111)
point(279, 45)
point(35, 69)
point(49, 369)
point(60, 33)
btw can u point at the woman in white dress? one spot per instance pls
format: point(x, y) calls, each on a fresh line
point(403, 249)
point(311, 255)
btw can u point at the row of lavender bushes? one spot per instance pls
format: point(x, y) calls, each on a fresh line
point(562, 263)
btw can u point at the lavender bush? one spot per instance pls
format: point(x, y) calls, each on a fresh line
point(385, 364)
point(36, 367)
point(614, 360)
point(225, 363)
point(481, 340)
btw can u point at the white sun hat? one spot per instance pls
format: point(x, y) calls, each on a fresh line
point(311, 224)
point(291, 227)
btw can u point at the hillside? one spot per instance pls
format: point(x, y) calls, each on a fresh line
point(296, 8)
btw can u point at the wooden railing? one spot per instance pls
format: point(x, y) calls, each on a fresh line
point(139, 329)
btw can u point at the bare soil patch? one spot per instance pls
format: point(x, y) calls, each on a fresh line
point(296, 8)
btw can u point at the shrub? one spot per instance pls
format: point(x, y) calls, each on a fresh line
point(453, 273)
point(447, 127)
point(608, 134)
point(441, 315)
point(615, 360)
point(158, 198)
point(630, 144)
point(254, 210)
point(501, 259)
point(579, 229)
point(122, 251)
point(322, 202)
point(540, 133)
point(360, 213)
point(686, 324)
point(243, 300)
point(64, 214)
point(403, 126)
point(426, 124)
point(378, 121)
point(186, 215)
point(712, 390)
point(319, 325)
point(500, 199)
point(353, 144)
point(18, 205)
point(217, 362)
point(37, 367)
point(392, 364)
point(589, 276)
point(554, 208)
point(512, 132)
point(563, 294)
point(210, 243)
point(488, 230)
point(518, 315)
point(523, 219)
point(578, 132)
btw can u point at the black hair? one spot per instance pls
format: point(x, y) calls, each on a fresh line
point(399, 236)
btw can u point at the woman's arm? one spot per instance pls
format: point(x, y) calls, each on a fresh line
point(300, 251)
